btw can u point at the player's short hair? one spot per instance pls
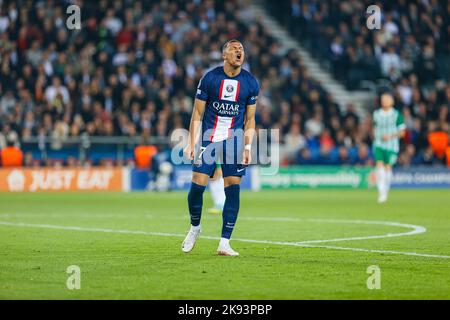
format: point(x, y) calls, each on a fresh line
point(385, 90)
point(226, 44)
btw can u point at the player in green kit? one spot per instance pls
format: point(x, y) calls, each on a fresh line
point(389, 127)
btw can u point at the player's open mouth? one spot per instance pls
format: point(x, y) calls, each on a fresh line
point(238, 57)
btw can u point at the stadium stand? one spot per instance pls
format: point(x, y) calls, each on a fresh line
point(411, 53)
point(132, 70)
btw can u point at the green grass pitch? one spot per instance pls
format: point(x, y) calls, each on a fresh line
point(111, 237)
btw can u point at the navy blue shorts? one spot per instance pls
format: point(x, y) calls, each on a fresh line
point(226, 153)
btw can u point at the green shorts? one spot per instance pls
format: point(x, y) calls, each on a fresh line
point(387, 156)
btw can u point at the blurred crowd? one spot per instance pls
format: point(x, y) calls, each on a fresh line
point(413, 37)
point(133, 67)
point(410, 53)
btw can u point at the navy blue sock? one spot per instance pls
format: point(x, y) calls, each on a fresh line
point(230, 210)
point(195, 201)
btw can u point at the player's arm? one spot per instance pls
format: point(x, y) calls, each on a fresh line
point(396, 135)
point(249, 132)
point(399, 134)
point(374, 131)
point(401, 126)
point(194, 127)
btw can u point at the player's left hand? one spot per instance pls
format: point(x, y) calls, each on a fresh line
point(247, 158)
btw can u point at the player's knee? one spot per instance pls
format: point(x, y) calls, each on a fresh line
point(200, 178)
point(232, 203)
point(195, 197)
point(229, 181)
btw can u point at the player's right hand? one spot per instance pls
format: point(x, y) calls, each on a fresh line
point(189, 152)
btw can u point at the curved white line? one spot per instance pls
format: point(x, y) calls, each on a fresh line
point(415, 230)
point(297, 244)
point(384, 251)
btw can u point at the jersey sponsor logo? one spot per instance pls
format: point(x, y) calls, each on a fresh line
point(224, 108)
point(229, 90)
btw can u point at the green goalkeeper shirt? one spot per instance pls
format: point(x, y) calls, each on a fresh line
point(387, 122)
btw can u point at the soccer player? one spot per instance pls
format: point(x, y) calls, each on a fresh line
point(225, 103)
point(389, 127)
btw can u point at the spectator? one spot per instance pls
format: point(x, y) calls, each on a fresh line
point(11, 156)
point(143, 155)
point(438, 141)
point(363, 157)
point(314, 126)
point(343, 156)
point(56, 90)
point(390, 62)
point(304, 157)
point(294, 140)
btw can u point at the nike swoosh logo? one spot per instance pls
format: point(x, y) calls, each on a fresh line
point(228, 96)
point(240, 170)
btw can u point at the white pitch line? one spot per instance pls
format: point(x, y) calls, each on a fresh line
point(74, 228)
point(137, 232)
point(416, 230)
point(385, 251)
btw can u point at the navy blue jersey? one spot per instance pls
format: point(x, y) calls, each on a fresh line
point(226, 99)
